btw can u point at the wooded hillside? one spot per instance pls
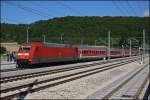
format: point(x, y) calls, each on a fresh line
point(77, 30)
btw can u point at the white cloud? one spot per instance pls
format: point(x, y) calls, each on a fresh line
point(146, 13)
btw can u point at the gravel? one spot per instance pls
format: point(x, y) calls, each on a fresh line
point(81, 88)
point(46, 77)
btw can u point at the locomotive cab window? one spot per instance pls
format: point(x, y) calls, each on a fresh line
point(24, 47)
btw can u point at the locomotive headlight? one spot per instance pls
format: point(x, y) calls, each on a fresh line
point(26, 54)
point(23, 54)
point(19, 54)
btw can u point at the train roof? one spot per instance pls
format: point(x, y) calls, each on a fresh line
point(75, 46)
point(46, 44)
point(69, 45)
point(56, 45)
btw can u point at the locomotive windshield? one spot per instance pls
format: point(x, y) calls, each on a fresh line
point(24, 47)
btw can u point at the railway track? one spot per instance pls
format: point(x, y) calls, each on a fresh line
point(11, 69)
point(42, 84)
point(131, 87)
point(15, 69)
point(36, 74)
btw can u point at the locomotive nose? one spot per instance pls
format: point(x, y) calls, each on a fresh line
point(22, 55)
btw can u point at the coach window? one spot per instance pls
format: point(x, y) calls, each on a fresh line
point(81, 52)
point(100, 52)
point(85, 52)
point(93, 51)
point(89, 51)
point(96, 52)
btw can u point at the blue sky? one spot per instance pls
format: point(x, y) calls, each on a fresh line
point(30, 11)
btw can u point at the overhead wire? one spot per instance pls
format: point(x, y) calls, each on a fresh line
point(28, 9)
point(133, 12)
point(124, 8)
point(68, 7)
point(138, 6)
point(37, 4)
point(137, 23)
point(13, 20)
point(131, 8)
point(115, 4)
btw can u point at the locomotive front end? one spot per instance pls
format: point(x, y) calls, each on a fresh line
point(23, 55)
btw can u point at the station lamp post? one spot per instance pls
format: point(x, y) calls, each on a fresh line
point(143, 46)
point(44, 38)
point(28, 34)
point(108, 45)
point(130, 48)
point(81, 41)
point(123, 50)
point(61, 37)
point(95, 42)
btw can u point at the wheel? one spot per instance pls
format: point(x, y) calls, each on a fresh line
point(18, 66)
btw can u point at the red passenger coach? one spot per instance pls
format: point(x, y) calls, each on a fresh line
point(114, 53)
point(86, 52)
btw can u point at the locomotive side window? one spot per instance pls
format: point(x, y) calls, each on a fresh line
point(24, 47)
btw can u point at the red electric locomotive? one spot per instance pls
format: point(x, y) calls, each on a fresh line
point(38, 53)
